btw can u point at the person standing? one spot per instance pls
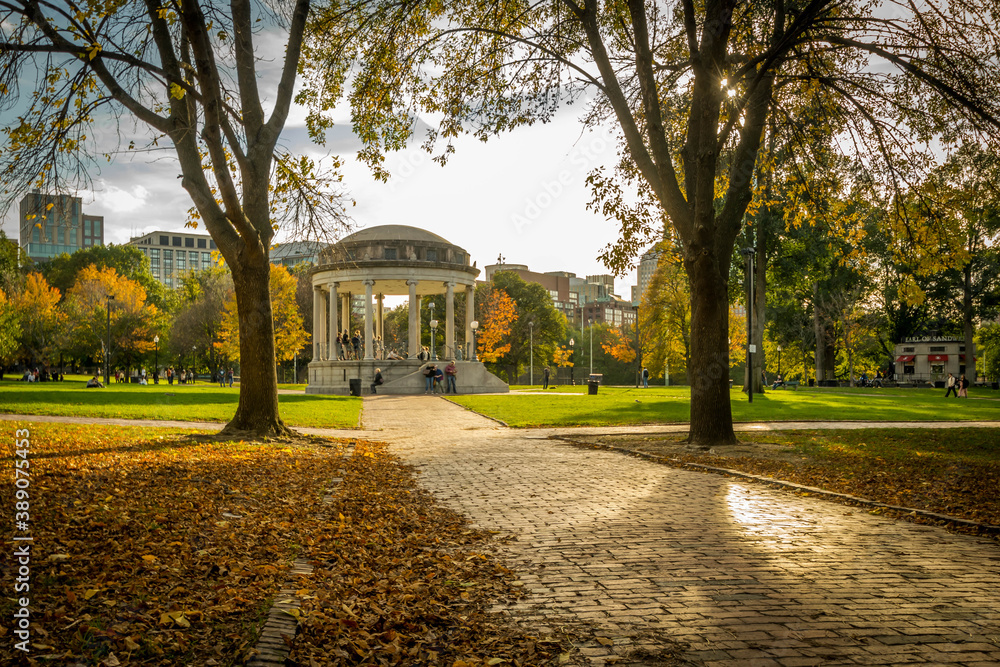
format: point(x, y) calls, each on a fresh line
point(356, 344)
point(428, 378)
point(545, 378)
point(963, 387)
point(451, 372)
point(229, 377)
point(645, 378)
point(950, 384)
point(438, 380)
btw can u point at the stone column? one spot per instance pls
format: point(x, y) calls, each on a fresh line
point(317, 320)
point(334, 343)
point(449, 321)
point(379, 318)
point(413, 333)
point(345, 318)
point(368, 319)
point(470, 315)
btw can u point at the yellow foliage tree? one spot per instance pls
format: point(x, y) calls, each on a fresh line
point(618, 346)
point(133, 320)
point(289, 330)
point(38, 318)
point(499, 313)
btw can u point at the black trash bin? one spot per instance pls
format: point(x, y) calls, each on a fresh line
point(355, 386)
point(812, 382)
point(593, 383)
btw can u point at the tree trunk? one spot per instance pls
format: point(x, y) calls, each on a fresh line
point(759, 303)
point(968, 313)
point(711, 412)
point(257, 413)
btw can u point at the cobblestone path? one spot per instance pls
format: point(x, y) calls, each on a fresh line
point(743, 574)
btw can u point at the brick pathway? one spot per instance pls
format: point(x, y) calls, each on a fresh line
point(744, 574)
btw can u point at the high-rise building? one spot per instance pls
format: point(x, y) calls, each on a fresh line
point(172, 254)
point(54, 224)
point(647, 266)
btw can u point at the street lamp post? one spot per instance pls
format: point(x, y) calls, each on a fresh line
point(779, 360)
point(434, 328)
point(531, 352)
point(107, 351)
point(194, 351)
point(591, 323)
point(572, 356)
point(474, 325)
point(156, 360)
point(433, 325)
point(748, 253)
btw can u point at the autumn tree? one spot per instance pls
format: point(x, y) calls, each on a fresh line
point(127, 260)
point(537, 320)
point(947, 244)
point(498, 312)
point(188, 73)
point(689, 87)
point(665, 317)
point(100, 294)
point(10, 331)
point(197, 323)
point(289, 334)
point(619, 346)
point(39, 319)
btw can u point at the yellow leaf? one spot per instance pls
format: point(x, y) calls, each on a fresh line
point(293, 612)
point(495, 661)
point(91, 592)
point(131, 645)
point(176, 91)
point(183, 622)
point(605, 641)
point(149, 558)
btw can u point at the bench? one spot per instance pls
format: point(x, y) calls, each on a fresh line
point(789, 384)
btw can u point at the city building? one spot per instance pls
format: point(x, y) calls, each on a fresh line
point(607, 310)
point(294, 253)
point(930, 358)
point(172, 254)
point(54, 224)
point(567, 291)
point(647, 266)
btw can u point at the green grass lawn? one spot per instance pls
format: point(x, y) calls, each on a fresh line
point(628, 405)
point(183, 402)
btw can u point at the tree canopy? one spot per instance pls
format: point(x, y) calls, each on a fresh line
point(188, 75)
point(690, 89)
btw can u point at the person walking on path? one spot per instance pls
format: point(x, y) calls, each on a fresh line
point(545, 378)
point(950, 383)
point(450, 372)
point(645, 378)
point(963, 387)
point(378, 380)
point(229, 376)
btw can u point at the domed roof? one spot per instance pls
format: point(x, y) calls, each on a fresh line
point(394, 233)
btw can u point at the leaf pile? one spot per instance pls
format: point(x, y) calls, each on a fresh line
point(955, 472)
point(157, 551)
point(401, 580)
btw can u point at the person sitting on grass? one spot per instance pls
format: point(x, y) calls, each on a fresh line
point(93, 383)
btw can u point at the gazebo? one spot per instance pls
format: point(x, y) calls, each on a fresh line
point(391, 260)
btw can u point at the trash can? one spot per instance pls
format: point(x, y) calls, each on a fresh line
point(355, 386)
point(812, 382)
point(593, 383)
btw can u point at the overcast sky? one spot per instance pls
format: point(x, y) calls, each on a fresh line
point(522, 194)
